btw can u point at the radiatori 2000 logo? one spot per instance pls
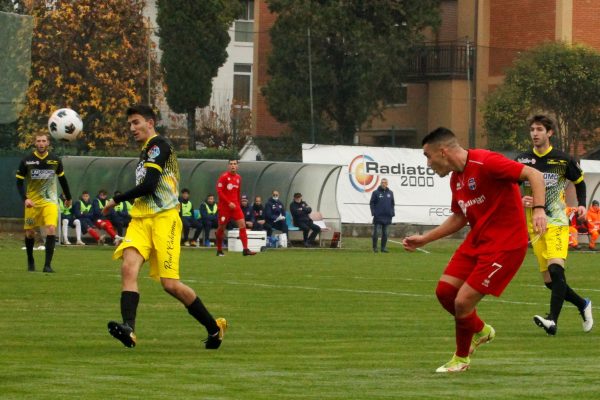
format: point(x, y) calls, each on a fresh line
point(359, 178)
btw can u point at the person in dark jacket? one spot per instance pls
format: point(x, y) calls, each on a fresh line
point(208, 217)
point(275, 213)
point(248, 213)
point(382, 209)
point(260, 222)
point(301, 215)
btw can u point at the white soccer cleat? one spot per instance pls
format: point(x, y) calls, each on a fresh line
point(586, 315)
point(80, 243)
point(547, 324)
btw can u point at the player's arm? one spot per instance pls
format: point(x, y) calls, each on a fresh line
point(451, 225)
point(538, 194)
point(60, 172)
point(145, 188)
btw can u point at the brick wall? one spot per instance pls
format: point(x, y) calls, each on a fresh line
point(586, 22)
point(517, 25)
point(264, 124)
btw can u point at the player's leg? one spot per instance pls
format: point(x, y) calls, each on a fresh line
point(77, 224)
point(315, 232)
point(164, 263)
point(29, 243)
point(219, 238)
point(375, 236)
point(384, 237)
point(50, 218)
point(241, 224)
point(65, 231)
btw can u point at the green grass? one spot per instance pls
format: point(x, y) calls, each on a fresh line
point(304, 324)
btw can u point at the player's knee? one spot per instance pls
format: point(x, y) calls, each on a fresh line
point(557, 272)
point(446, 294)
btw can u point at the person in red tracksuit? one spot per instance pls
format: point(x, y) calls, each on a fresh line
point(229, 208)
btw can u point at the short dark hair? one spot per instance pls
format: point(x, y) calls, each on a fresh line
point(438, 135)
point(595, 203)
point(185, 190)
point(297, 194)
point(546, 121)
point(142, 109)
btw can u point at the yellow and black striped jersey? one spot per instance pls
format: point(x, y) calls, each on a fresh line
point(40, 173)
point(157, 153)
point(558, 168)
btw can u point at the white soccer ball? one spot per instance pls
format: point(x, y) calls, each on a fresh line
point(65, 124)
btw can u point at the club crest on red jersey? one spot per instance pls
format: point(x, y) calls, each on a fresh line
point(472, 184)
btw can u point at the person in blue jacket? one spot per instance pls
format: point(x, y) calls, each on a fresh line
point(382, 209)
point(275, 213)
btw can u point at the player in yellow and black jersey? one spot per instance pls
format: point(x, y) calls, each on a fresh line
point(154, 233)
point(38, 171)
point(551, 248)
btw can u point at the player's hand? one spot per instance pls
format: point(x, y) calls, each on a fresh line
point(539, 220)
point(109, 206)
point(412, 242)
point(232, 206)
point(68, 203)
point(581, 211)
point(527, 201)
point(28, 203)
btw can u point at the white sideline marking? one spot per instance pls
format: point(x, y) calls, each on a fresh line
point(358, 291)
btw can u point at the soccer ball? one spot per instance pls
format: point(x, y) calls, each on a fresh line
point(65, 124)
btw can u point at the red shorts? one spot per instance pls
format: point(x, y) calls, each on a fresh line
point(488, 273)
point(226, 214)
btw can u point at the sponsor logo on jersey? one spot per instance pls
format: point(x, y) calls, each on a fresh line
point(140, 173)
point(153, 152)
point(231, 186)
point(52, 162)
point(464, 205)
point(551, 178)
point(526, 160)
point(42, 173)
point(32, 162)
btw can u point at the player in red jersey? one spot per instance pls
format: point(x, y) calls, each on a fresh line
point(485, 195)
point(229, 208)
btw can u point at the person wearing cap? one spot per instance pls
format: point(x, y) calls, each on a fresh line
point(593, 220)
point(248, 213)
point(301, 215)
point(383, 210)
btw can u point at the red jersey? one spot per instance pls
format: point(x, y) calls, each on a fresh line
point(487, 193)
point(228, 190)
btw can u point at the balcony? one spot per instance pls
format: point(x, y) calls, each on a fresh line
point(441, 61)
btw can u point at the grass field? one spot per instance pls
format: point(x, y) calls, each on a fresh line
point(304, 324)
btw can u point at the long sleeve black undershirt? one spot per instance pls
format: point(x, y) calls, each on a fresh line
point(146, 187)
point(581, 193)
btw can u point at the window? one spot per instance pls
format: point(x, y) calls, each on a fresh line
point(242, 83)
point(244, 23)
point(398, 96)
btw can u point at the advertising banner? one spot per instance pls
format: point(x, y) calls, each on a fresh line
point(421, 197)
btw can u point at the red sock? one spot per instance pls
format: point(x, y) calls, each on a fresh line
point(465, 328)
point(110, 229)
point(219, 239)
point(446, 294)
point(244, 238)
point(93, 234)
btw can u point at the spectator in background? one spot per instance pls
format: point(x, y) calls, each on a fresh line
point(248, 213)
point(382, 209)
point(82, 209)
point(186, 212)
point(68, 220)
point(260, 224)
point(275, 213)
point(573, 232)
point(104, 221)
point(301, 215)
point(593, 220)
point(121, 217)
point(208, 217)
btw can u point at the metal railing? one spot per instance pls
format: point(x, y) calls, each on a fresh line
point(448, 60)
